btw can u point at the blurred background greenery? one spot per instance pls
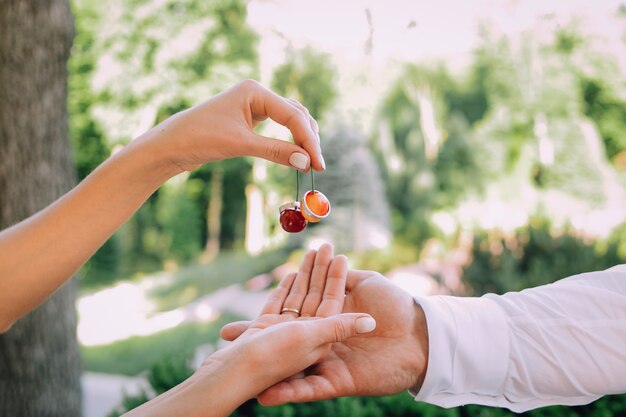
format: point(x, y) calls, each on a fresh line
point(472, 148)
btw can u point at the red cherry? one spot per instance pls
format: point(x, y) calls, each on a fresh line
point(291, 218)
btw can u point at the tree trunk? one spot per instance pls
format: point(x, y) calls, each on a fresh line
point(39, 357)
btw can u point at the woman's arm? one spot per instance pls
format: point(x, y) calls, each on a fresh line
point(254, 363)
point(39, 254)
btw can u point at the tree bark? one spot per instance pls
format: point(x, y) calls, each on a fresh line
point(39, 357)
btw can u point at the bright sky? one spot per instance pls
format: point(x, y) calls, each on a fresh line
point(405, 29)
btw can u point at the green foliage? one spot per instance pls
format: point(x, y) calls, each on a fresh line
point(178, 214)
point(139, 353)
point(168, 373)
point(162, 376)
point(418, 184)
point(86, 135)
point(236, 174)
point(384, 260)
point(309, 77)
point(535, 255)
point(574, 173)
point(130, 402)
point(391, 406)
point(133, 64)
point(608, 111)
point(194, 281)
point(103, 268)
point(360, 215)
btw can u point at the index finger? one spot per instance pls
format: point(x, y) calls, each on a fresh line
point(266, 103)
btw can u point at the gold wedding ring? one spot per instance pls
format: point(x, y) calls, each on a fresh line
point(290, 310)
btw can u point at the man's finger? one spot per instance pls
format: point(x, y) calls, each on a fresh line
point(232, 331)
point(335, 289)
point(318, 282)
point(355, 277)
point(309, 388)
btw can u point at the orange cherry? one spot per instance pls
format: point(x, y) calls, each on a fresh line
point(315, 206)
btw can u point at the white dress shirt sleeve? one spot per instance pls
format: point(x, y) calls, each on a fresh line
point(563, 343)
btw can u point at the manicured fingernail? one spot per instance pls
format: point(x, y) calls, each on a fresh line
point(298, 160)
point(323, 163)
point(365, 324)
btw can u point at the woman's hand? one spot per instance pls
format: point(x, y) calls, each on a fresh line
point(222, 128)
point(40, 254)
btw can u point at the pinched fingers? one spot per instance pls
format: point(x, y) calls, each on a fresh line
point(314, 126)
point(265, 103)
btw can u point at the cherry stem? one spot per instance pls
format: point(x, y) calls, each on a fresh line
point(312, 181)
point(297, 185)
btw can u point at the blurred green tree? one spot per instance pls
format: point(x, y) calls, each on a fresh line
point(424, 146)
point(608, 111)
point(136, 63)
point(309, 77)
point(360, 216)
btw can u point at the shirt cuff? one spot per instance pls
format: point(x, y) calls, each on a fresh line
point(468, 345)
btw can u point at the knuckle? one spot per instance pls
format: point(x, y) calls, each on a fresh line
point(295, 118)
point(341, 331)
point(273, 152)
point(334, 296)
point(249, 84)
point(273, 299)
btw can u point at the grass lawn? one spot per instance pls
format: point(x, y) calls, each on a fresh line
point(137, 354)
point(194, 281)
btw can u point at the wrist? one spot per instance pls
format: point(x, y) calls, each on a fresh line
point(152, 155)
point(421, 351)
point(230, 376)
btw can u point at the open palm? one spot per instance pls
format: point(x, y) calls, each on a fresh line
point(386, 361)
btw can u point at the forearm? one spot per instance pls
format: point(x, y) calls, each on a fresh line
point(39, 254)
point(557, 344)
point(215, 390)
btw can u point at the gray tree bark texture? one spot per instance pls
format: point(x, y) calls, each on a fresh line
point(39, 356)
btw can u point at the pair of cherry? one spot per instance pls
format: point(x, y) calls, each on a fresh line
point(313, 207)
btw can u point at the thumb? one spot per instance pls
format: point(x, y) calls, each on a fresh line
point(280, 152)
point(232, 331)
point(341, 327)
